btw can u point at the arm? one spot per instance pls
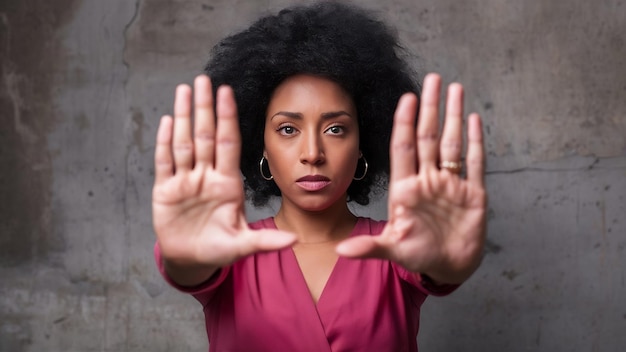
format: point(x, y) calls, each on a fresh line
point(197, 198)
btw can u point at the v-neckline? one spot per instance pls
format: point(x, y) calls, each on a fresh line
point(302, 281)
point(304, 284)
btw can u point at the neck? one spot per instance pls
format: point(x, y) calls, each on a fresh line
point(315, 227)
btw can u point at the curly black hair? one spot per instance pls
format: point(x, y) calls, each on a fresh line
point(337, 41)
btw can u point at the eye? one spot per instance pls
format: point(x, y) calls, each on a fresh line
point(286, 130)
point(335, 130)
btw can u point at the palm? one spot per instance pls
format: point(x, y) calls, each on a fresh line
point(206, 204)
point(436, 218)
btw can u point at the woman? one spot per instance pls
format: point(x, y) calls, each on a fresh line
point(322, 99)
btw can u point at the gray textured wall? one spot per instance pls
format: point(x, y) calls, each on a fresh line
point(83, 83)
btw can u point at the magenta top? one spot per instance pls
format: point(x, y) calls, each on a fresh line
point(262, 303)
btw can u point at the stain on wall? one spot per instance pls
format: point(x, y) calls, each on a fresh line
point(30, 57)
point(31, 53)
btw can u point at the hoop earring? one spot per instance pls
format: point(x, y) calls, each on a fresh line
point(261, 170)
point(364, 172)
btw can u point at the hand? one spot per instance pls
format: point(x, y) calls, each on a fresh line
point(436, 218)
point(198, 199)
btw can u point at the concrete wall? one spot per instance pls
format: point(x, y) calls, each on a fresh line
point(83, 83)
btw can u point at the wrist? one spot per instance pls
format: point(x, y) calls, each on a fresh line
point(189, 275)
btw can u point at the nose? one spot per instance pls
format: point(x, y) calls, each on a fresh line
point(312, 149)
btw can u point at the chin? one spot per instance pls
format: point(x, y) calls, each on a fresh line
point(319, 206)
point(317, 202)
point(314, 208)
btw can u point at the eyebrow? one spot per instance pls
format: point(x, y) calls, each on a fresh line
point(325, 116)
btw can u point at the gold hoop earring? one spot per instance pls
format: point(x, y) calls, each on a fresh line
point(364, 172)
point(261, 169)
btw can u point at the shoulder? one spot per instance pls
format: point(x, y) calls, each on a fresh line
point(267, 223)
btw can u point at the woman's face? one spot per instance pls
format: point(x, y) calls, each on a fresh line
point(311, 141)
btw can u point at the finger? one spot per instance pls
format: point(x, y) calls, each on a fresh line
point(428, 125)
point(183, 146)
point(475, 158)
point(403, 155)
point(364, 246)
point(451, 145)
point(204, 124)
point(163, 163)
point(228, 149)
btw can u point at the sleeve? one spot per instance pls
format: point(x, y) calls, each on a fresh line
point(423, 282)
point(203, 292)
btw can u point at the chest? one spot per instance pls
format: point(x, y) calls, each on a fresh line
point(357, 305)
point(316, 262)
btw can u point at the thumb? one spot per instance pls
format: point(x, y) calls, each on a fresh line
point(364, 246)
point(270, 240)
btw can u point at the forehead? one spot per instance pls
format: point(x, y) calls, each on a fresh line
point(302, 93)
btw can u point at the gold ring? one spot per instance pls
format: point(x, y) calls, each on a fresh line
point(452, 166)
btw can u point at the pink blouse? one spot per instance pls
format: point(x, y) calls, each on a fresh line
point(262, 303)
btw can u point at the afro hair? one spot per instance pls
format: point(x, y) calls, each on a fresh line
point(337, 41)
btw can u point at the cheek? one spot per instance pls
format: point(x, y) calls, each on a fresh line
point(349, 161)
point(280, 159)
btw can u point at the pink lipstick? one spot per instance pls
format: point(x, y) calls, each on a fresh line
point(313, 183)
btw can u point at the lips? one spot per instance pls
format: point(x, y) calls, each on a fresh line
point(313, 183)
